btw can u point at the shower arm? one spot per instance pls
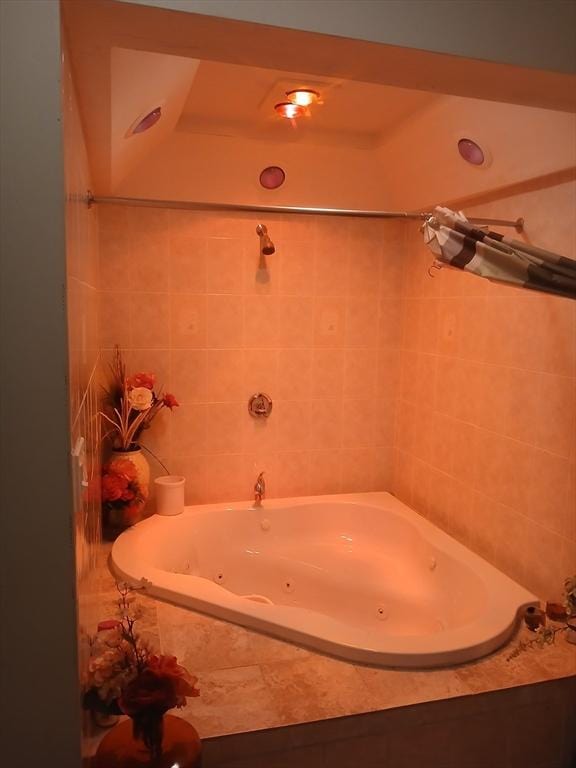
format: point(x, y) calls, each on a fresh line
point(185, 205)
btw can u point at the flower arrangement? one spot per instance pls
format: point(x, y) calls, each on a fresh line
point(121, 491)
point(564, 614)
point(125, 676)
point(570, 595)
point(131, 404)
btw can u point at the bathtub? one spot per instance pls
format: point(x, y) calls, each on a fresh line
point(360, 576)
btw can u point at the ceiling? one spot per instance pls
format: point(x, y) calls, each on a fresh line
point(220, 77)
point(230, 99)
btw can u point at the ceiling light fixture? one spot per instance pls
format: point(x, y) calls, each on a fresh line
point(146, 122)
point(303, 97)
point(471, 151)
point(289, 110)
point(272, 177)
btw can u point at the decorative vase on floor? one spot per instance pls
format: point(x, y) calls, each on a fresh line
point(126, 484)
point(180, 746)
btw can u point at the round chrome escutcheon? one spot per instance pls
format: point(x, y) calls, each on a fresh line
point(260, 405)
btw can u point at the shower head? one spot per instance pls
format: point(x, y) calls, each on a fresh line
point(266, 245)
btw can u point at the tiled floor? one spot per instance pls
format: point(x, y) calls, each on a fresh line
point(250, 682)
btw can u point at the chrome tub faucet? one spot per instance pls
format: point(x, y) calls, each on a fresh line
point(259, 490)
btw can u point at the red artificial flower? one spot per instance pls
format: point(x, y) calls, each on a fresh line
point(141, 380)
point(162, 685)
point(184, 682)
point(170, 401)
point(128, 495)
point(123, 468)
point(147, 691)
point(113, 486)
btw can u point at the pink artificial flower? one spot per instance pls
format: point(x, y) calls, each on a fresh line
point(184, 683)
point(141, 380)
point(170, 401)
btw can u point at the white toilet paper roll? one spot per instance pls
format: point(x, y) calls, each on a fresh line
point(170, 494)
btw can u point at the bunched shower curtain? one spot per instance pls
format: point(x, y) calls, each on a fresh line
point(456, 242)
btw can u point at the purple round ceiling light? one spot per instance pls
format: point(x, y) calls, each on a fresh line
point(148, 121)
point(272, 177)
point(471, 152)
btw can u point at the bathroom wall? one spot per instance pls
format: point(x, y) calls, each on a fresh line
point(486, 427)
point(83, 377)
point(184, 294)
point(83, 343)
point(425, 147)
point(220, 168)
point(40, 688)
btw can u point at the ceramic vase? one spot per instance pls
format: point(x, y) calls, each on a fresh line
point(180, 745)
point(131, 473)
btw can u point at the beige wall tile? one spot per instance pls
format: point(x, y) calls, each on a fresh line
point(224, 265)
point(188, 321)
point(503, 413)
point(315, 688)
point(224, 322)
point(187, 259)
point(297, 268)
point(329, 322)
point(325, 471)
point(331, 268)
point(224, 375)
point(261, 318)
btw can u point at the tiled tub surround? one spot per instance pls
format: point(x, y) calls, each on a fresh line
point(184, 303)
point(486, 421)
point(269, 704)
point(361, 576)
point(186, 296)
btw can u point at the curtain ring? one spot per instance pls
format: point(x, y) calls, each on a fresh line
point(435, 265)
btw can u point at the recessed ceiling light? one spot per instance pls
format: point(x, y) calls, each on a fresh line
point(289, 110)
point(272, 177)
point(304, 97)
point(471, 152)
point(146, 122)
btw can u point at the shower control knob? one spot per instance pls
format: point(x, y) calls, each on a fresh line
point(260, 405)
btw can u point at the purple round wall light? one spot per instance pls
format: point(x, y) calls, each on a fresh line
point(471, 152)
point(147, 121)
point(272, 177)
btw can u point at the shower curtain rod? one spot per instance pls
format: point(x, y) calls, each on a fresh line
point(518, 224)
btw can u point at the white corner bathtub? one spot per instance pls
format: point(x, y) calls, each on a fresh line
point(360, 576)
